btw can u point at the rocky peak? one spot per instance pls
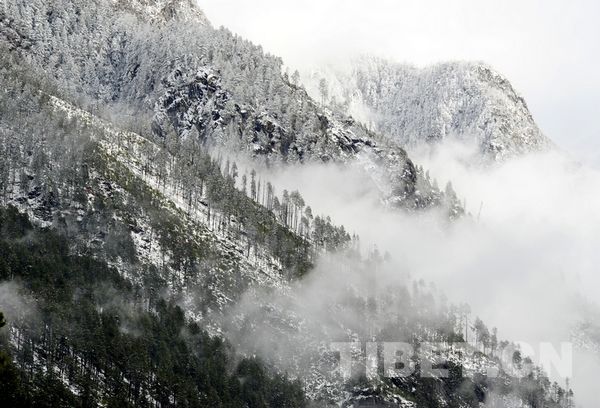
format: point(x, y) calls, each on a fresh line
point(464, 100)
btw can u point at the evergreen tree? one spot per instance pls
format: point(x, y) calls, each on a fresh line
point(323, 90)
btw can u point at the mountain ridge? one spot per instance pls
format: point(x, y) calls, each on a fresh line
point(468, 101)
point(187, 240)
point(165, 10)
point(271, 113)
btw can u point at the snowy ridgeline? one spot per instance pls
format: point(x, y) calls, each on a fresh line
point(199, 84)
point(244, 104)
point(468, 101)
point(160, 11)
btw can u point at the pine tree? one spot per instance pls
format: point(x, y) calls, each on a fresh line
point(253, 185)
point(244, 182)
point(323, 90)
point(269, 196)
point(234, 172)
point(296, 78)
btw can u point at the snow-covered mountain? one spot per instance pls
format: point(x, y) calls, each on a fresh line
point(464, 100)
point(158, 267)
point(191, 77)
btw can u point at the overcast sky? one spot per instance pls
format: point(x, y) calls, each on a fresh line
point(549, 49)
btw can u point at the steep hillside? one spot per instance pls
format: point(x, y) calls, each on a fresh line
point(191, 77)
point(468, 101)
point(90, 339)
point(158, 273)
point(116, 205)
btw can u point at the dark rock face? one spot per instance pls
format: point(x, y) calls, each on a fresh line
point(197, 105)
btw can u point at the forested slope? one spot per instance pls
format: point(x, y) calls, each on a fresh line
point(94, 339)
point(189, 80)
point(156, 269)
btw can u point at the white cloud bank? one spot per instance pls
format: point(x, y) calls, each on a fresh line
point(525, 263)
point(532, 255)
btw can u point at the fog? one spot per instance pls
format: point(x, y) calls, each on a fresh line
point(15, 305)
point(525, 257)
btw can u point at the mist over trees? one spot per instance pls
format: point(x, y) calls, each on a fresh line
point(111, 344)
point(136, 238)
point(222, 86)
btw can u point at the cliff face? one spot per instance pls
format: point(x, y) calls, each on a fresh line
point(467, 101)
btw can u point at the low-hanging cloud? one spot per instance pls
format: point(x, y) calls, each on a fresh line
point(525, 259)
point(15, 304)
